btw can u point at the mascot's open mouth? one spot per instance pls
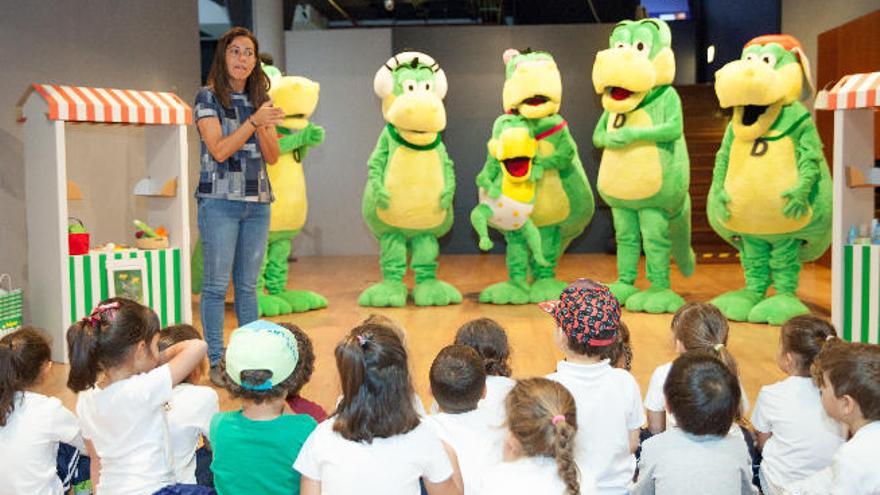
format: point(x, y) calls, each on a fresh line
point(751, 113)
point(518, 166)
point(619, 93)
point(536, 100)
point(295, 116)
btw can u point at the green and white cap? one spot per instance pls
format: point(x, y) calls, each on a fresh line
point(261, 345)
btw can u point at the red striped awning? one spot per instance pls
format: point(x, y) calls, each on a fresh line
point(122, 106)
point(852, 91)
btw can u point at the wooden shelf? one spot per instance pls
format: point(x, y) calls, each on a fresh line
point(855, 178)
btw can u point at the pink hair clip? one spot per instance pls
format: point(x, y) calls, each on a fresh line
point(361, 340)
point(559, 418)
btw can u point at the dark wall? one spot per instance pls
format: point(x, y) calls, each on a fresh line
point(728, 26)
point(471, 58)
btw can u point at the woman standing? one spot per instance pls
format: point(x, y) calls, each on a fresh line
point(236, 124)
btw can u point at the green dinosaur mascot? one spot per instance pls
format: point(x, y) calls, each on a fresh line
point(507, 206)
point(407, 202)
point(563, 203)
point(298, 97)
point(645, 172)
point(771, 188)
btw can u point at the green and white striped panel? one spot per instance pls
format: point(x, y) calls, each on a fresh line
point(861, 294)
point(88, 282)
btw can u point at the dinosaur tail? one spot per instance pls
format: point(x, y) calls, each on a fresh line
point(680, 235)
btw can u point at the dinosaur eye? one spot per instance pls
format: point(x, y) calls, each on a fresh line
point(642, 47)
point(621, 44)
point(425, 85)
point(409, 86)
point(751, 57)
point(768, 59)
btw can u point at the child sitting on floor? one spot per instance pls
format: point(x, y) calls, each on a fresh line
point(542, 421)
point(298, 404)
point(259, 367)
point(489, 339)
point(795, 435)
point(189, 411)
point(458, 382)
point(699, 456)
point(609, 403)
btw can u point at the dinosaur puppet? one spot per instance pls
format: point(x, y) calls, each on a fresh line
point(564, 202)
point(645, 172)
point(407, 202)
point(771, 187)
point(507, 206)
point(298, 97)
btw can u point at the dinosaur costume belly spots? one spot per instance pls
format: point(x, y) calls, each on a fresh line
point(771, 188)
point(407, 202)
point(563, 200)
point(644, 174)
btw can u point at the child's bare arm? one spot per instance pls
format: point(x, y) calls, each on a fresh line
point(308, 486)
point(182, 358)
point(448, 487)
point(94, 465)
point(656, 421)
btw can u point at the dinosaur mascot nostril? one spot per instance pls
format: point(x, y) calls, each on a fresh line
point(771, 188)
point(407, 202)
point(645, 171)
point(562, 201)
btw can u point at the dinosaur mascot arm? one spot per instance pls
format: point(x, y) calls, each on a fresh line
point(669, 129)
point(562, 157)
point(376, 170)
point(488, 177)
point(311, 135)
point(717, 195)
point(809, 150)
point(448, 192)
point(600, 133)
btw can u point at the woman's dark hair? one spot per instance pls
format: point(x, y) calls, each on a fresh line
point(702, 327)
point(854, 370)
point(377, 394)
point(257, 86)
point(702, 393)
point(489, 339)
point(105, 339)
point(542, 416)
point(804, 337)
point(620, 352)
point(22, 357)
point(290, 385)
point(457, 379)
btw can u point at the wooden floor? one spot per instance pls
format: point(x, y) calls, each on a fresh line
point(341, 279)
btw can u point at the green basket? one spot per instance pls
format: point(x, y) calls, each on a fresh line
point(11, 304)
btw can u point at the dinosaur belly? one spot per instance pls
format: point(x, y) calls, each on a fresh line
point(755, 185)
point(289, 186)
point(551, 201)
point(414, 180)
point(634, 171)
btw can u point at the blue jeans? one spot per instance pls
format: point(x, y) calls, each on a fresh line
point(234, 235)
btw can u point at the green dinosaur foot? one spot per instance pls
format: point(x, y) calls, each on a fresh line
point(655, 300)
point(622, 291)
point(778, 309)
point(384, 294)
point(269, 305)
point(507, 292)
point(486, 243)
point(435, 293)
point(303, 300)
point(546, 289)
point(736, 305)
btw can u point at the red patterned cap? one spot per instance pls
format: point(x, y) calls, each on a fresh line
point(586, 311)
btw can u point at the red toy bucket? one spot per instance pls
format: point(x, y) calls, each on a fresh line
point(78, 243)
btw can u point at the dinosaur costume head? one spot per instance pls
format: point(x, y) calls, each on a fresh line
point(412, 87)
point(298, 97)
point(768, 76)
point(533, 85)
point(639, 58)
point(513, 146)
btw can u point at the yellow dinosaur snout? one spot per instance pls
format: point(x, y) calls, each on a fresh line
point(750, 82)
point(418, 115)
point(514, 148)
point(298, 97)
point(534, 89)
point(623, 76)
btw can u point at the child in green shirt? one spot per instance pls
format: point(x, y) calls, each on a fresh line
point(260, 367)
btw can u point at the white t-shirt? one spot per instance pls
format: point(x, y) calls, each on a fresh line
point(530, 476)
point(497, 388)
point(655, 399)
point(804, 437)
point(29, 444)
point(387, 465)
point(189, 415)
point(477, 439)
point(126, 424)
point(854, 469)
point(609, 406)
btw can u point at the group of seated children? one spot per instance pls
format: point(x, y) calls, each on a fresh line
point(147, 426)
